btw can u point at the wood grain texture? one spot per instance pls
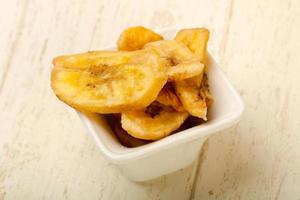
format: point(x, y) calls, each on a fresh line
point(259, 158)
point(45, 152)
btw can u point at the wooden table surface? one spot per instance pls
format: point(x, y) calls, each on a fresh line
point(45, 152)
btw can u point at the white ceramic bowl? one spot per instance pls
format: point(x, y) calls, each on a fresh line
point(175, 151)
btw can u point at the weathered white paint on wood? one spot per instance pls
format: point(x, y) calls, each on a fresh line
point(260, 158)
point(45, 152)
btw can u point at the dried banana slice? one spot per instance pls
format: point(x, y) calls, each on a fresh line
point(194, 93)
point(126, 139)
point(194, 99)
point(135, 38)
point(195, 39)
point(181, 62)
point(167, 97)
point(204, 91)
point(107, 81)
point(153, 123)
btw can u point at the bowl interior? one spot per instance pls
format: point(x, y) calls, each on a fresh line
point(225, 111)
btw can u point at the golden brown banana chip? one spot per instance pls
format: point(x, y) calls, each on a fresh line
point(195, 100)
point(154, 122)
point(195, 39)
point(204, 91)
point(134, 38)
point(181, 62)
point(108, 81)
point(194, 93)
point(126, 139)
point(168, 97)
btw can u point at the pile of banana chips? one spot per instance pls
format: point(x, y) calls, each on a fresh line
point(150, 84)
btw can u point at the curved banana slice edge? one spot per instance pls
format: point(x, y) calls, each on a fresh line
point(168, 97)
point(108, 82)
point(181, 62)
point(152, 124)
point(134, 38)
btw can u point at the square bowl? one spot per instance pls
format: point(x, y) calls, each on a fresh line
point(177, 150)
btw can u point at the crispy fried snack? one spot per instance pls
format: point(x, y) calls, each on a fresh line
point(194, 93)
point(204, 91)
point(153, 123)
point(134, 38)
point(195, 100)
point(126, 139)
point(167, 97)
point(108, 81)
point(181, 62)
point(133, 83)
point(195, 39)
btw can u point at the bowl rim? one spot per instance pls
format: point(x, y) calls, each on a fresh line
point(196, 132)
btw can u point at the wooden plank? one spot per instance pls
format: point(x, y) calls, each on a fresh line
point(259, 158)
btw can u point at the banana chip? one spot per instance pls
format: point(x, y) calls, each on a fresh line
point(196, 40)
point(134, 38)
point(108, 82)
point(194, 93)
point(126, 139)
point(181, 62)
point(195, 100)
point(153, 123)
point(168, 97)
